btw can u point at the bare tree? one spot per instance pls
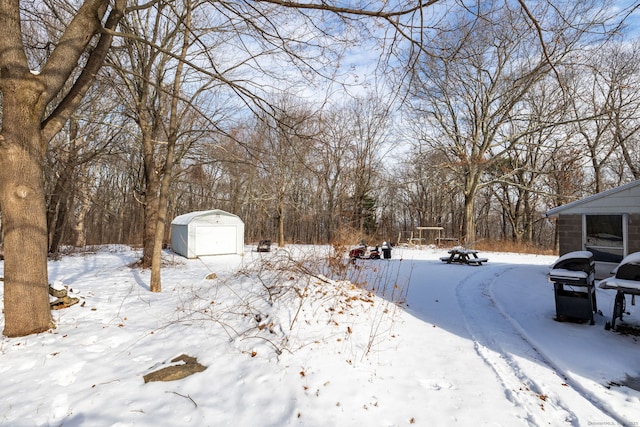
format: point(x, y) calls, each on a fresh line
point(369, 133)
point(166, 94)
point(281, 150)
point(422, 193)
point(88, 136)
point(330, 165)
point(470, 88)
point(517, 177)
point(621, 72)
point(591, 101)
point(145, 93)
point(36, 102)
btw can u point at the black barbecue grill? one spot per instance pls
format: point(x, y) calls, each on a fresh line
point(625, 281)
point(573, 278)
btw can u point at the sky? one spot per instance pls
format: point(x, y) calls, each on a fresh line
point(406, 341)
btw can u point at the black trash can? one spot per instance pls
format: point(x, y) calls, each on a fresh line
point(573, 278)
point(386, 250)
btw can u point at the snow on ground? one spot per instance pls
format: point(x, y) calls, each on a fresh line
point(287, 341)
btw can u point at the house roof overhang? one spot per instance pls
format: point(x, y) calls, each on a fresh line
point(573, 206)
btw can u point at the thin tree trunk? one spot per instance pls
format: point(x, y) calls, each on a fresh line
point(151, 200)
point(63, 193)
point(59, 225)
point(155, 282)
point(59, 208)
point(281, 241)
point(79, 223)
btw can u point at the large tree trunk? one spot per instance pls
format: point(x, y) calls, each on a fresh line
point(22, 202)
point(469, 220)
point(468, 223)
point(25, 133)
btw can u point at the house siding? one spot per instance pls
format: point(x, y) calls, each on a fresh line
point(623, 199)
point(570, 233)
point(633, 230)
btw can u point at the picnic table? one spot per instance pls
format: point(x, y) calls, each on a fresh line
point(463, 256)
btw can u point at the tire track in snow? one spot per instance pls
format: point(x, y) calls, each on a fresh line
point(530, 381)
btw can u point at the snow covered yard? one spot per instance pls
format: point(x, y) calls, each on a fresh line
point(286, 343)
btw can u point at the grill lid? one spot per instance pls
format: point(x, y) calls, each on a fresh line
point(575, 261)
point(629, 268)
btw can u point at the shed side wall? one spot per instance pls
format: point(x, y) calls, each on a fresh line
point(240, 239)
point(179, 239)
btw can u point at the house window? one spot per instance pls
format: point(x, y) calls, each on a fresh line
point(605, 237)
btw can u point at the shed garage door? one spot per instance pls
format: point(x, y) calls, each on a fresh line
point(216, 240)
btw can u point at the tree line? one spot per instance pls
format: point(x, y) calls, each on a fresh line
point(491, 136)
point(118, 116)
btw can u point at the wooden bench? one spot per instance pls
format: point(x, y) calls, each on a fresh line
point(439, 240)
point(477, 261)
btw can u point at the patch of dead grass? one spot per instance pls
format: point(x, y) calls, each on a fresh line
point(514, 247)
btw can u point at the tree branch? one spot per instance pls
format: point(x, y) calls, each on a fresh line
point(350, 11)
point(56, 120)
point(70, 48)
point(13, 60)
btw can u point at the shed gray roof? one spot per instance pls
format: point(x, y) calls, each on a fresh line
point(623, 199)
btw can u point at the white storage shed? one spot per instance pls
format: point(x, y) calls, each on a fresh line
point(204, 233)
